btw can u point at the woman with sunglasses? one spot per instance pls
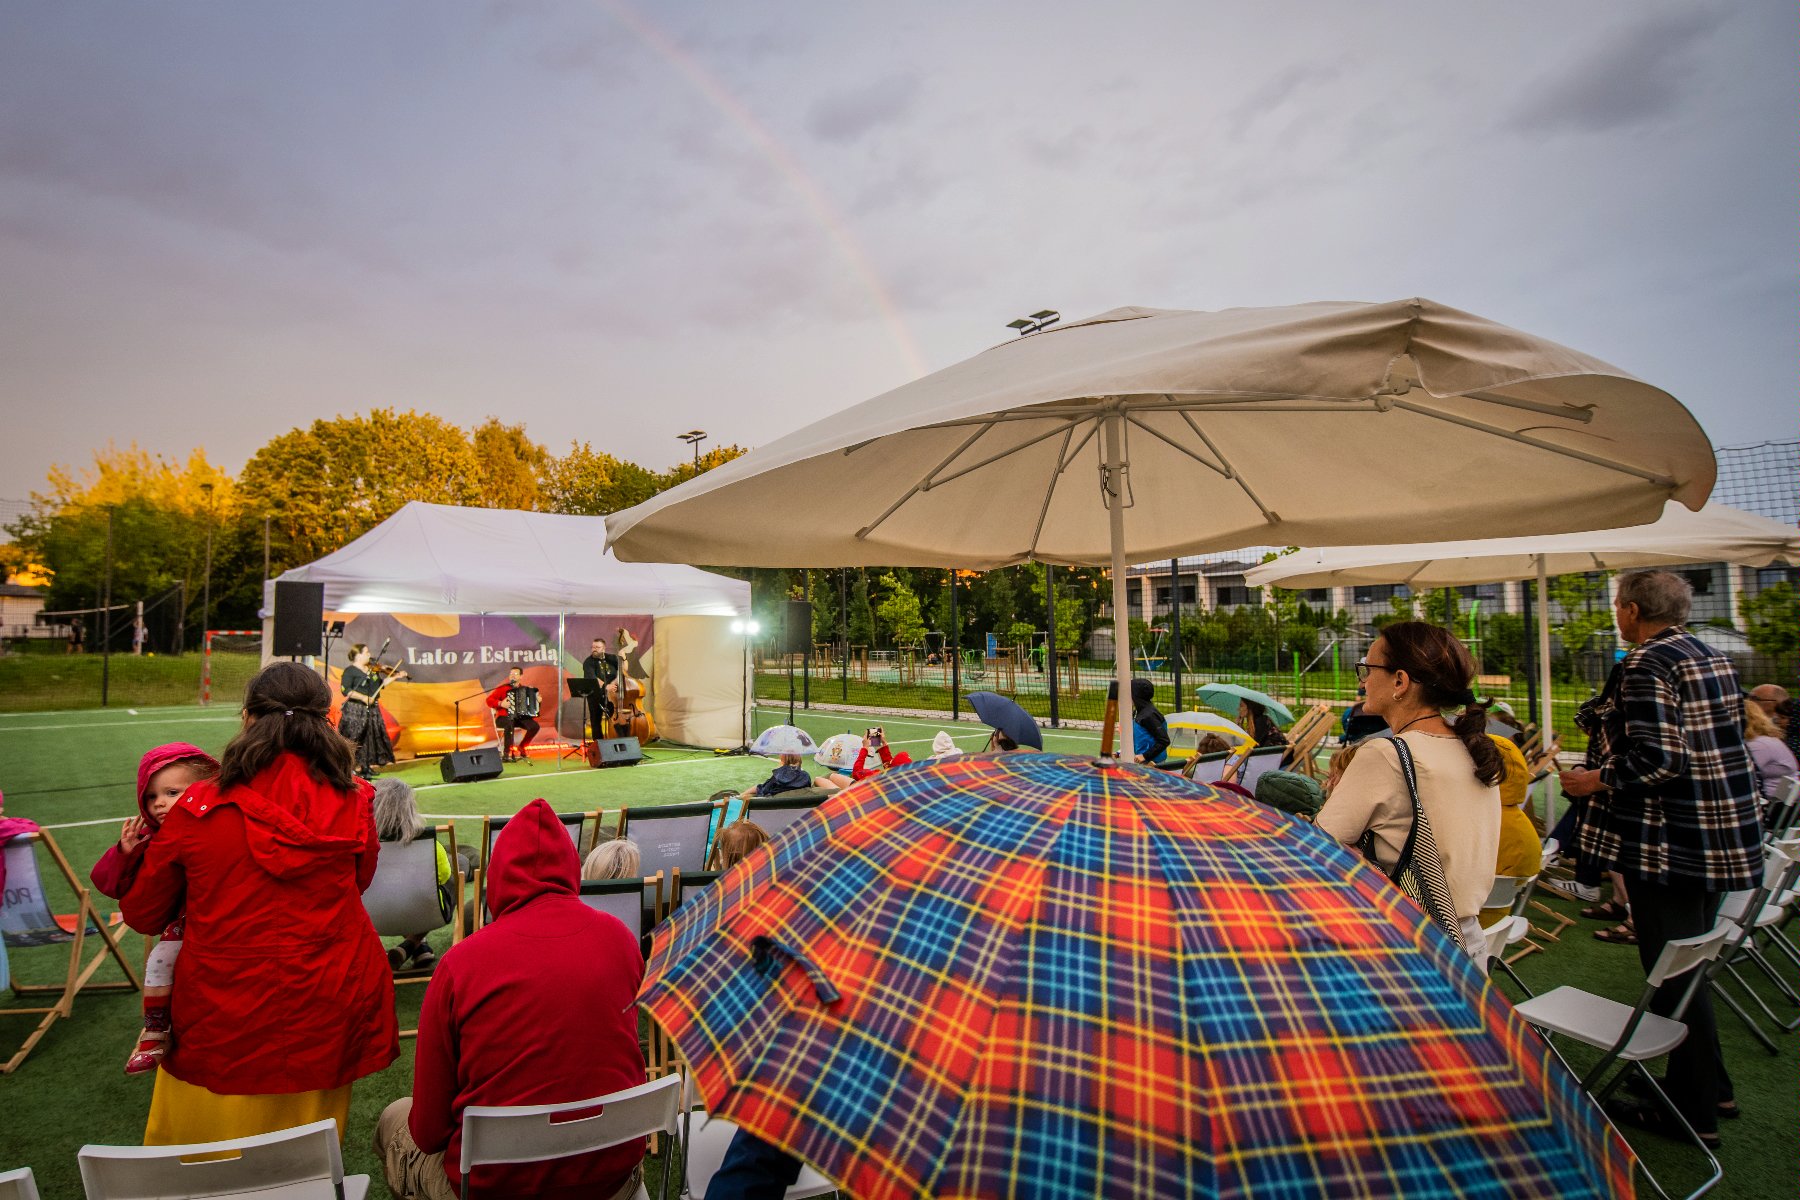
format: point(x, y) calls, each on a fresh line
point(1414, 674)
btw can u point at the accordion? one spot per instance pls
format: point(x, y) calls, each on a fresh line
point(523, 701)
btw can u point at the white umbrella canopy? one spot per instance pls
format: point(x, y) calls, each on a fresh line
point(1717, 533)
point(1311, 424)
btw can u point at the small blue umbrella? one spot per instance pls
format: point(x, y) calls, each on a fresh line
point(997, 712)
point(1226, 695)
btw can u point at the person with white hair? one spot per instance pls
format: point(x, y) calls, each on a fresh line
point(397, 821)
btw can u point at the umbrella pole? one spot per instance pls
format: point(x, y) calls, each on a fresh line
point(1114, 489)
point(1545, 731)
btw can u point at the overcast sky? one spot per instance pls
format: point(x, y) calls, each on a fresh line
point(618, 221)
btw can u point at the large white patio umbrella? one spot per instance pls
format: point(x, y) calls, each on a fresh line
point(1717, 533)
point(1317, 424)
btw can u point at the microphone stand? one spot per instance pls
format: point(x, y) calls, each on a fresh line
point(457, 706)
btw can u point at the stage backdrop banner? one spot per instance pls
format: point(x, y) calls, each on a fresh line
point(455, 660)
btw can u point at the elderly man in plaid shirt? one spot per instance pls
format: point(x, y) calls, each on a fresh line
point(1672, 806)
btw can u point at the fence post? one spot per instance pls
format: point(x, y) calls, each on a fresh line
point(106, 615)
point(806, 648)
point(1050, 643)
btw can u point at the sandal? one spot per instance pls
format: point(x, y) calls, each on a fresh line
point(1657, 1120)
point(1612, 910)
point(1618, 935)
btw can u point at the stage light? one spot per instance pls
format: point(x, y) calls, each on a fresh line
point(738, 627)
point(752, 627)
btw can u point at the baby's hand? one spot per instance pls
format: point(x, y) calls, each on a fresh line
point(132, 835)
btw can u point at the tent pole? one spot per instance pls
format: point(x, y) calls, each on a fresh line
point(562, 629)
point(1545, 730)
point(1115, 487)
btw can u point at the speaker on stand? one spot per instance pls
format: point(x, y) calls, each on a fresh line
point(299, 620)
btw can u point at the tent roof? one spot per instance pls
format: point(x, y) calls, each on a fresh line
point(441, 558)
point(1717, 533)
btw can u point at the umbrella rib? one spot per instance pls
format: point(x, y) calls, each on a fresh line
point(923, 483)
point(1211, 466)
point(1537, 443)
point(1230, 471)
point(1062, 461)
point(1569, 412)
point(1079, 447)
point(1068, 426)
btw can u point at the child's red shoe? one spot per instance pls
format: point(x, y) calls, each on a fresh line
point(147, 1057)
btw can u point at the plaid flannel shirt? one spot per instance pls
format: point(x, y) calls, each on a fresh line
point(1667, 739)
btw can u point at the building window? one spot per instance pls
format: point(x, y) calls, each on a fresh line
point(1316, 595)
point(1379, 593)
point(1231, 596)
point(1701, 580)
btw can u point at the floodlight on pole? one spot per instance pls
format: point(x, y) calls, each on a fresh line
point(1042, 319)
point(693, 437)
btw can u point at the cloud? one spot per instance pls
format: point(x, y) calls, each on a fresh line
point(1631, 80)
point(847, 115)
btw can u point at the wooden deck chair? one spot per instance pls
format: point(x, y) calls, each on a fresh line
point(772, 814)
point(403, 898)
point(491, 826)
point(638, 904)
point(670, 836)
point(1552, 848)
point(1254, 765)
point(1304, 740)
point(688, 884)
point(26, 919)
point(1208, 768)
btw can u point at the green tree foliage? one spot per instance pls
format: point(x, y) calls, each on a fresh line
point(1772, 620)
point(681, 472)
point(1441, 606)
point(592, 482)
point(1503, 642)
point(862, 613)
point(1585, 612)
point(510, 465)
point(1076, 600)
point(898, 612)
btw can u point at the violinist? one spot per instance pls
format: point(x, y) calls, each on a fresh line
point(361, 719)
point(604, 667)
point(510, 716)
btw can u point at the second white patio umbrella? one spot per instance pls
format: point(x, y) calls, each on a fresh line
point(1717, 533)
point(1318, 423)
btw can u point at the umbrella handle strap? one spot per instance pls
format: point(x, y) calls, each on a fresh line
point(766, 954)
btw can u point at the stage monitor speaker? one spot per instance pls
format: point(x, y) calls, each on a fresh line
point(615, 752)
point(470, 766)
point(299, 620)
point(796, 627)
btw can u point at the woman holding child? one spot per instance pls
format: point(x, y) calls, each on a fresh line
point(282, 995)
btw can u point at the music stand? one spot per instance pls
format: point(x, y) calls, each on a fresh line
point(585, 690)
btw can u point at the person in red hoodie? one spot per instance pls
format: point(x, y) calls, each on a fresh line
point(539, 1006)
point(282, 995)
point(164, 774)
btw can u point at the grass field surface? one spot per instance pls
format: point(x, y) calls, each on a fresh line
point(74, 773)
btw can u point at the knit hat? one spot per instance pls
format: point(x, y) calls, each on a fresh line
point(944, 746)
point(1291, 792)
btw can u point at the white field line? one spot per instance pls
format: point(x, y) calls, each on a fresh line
point(119, 724)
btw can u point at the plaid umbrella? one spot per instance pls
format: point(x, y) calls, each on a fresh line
point(1031, 975)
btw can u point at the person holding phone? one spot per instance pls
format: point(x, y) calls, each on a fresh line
point(875, 738)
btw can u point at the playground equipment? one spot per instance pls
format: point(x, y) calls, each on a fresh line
point(1151, 656)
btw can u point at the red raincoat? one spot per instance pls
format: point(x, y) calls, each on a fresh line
point(113, 874)
point(538, 1007)
point(282, 985)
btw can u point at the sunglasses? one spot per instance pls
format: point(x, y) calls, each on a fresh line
point(1364, 666)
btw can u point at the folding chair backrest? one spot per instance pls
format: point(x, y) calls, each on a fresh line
point(1210, 768)
point(403, 897)
point(775, 813)
point(18, 1185)
point(1504, 892)
point(623, 898)
point(491, 827)
point(301, 1163)
point(1260, 760)
point(1494, 937)
point(541, 1132)
point(1683, 955)
point(1779, 817)
point(669, 837)
point(688, 884)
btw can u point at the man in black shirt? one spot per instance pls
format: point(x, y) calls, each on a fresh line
point(604, 667)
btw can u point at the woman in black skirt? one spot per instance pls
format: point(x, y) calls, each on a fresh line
point(361, 719)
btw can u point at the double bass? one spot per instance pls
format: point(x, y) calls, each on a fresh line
point(629, 718)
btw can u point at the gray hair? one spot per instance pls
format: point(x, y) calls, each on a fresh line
point(1662, 597)
point(396, 811)
point(615, 859)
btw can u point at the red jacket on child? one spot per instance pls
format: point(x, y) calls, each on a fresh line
point(888, 759)
point(282, 985)
point(113, 874)
point(537, 1007)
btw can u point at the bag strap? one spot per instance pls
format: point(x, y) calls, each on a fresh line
point(1420, 856)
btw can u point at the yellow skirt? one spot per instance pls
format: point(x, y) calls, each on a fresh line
point(183, 1113)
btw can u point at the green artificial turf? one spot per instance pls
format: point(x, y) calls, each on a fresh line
point(66, 769)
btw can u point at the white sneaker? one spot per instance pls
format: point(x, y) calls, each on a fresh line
point(1587, 893)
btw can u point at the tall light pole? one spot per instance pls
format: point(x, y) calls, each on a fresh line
point(206, 489)
point(693, 437)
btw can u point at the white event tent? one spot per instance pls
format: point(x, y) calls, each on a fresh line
point(450, 561)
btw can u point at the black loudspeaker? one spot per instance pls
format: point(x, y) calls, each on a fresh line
point(614, 752)
point(796, 627)
point(470, 766)
point(299, 620)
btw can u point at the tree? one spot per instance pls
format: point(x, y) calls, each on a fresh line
point(1582, 599)
point(593, 482)
point(824, 606)
point(510, 465)
point(1072, 607)
point(681, 472)
point(1772, 620)
point(862, 613)
point(1400, 608)
point(1441, 607)
point(899, 613)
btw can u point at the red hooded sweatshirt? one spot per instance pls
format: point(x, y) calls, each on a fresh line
point(537, 1007)
point(282, 985)
point(113, 874)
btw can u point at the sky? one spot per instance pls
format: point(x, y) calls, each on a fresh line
point(614, 221)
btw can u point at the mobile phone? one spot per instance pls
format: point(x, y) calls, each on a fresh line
point(1541, 775)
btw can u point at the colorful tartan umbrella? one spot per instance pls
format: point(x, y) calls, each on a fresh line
point(1032, 975)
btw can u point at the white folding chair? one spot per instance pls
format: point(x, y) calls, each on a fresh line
point(706, 1140)
point(1634, 1035)
point(303, 1163)
point(1743, 915)
point(493, 1135)
point(1781, 812)
point(670, 835)
point(18, 1185)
